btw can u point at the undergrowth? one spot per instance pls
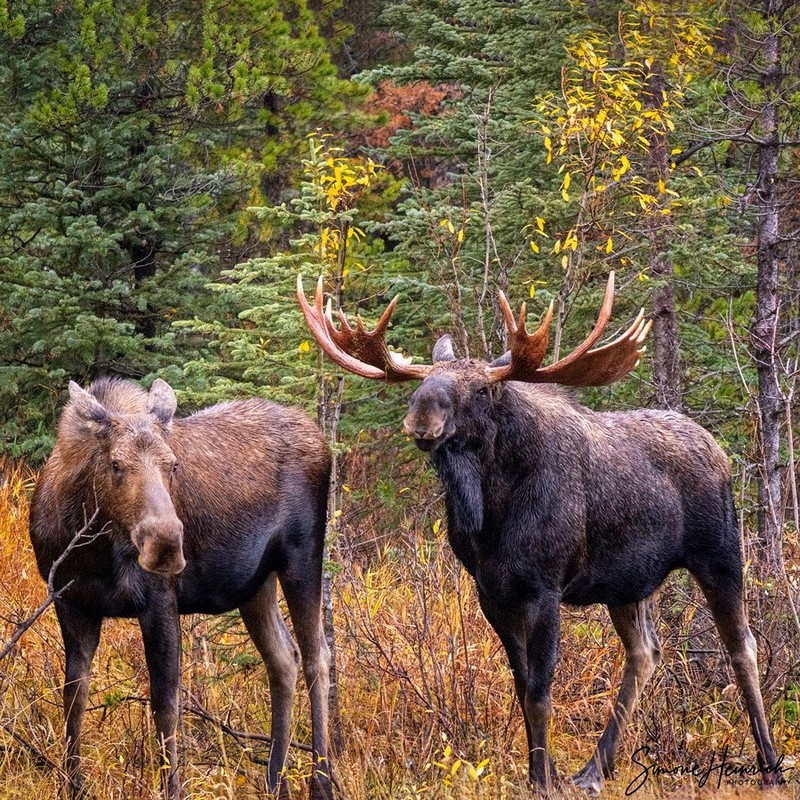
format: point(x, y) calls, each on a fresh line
point(427, 706)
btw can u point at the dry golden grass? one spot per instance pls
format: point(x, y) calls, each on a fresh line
point(426, 695)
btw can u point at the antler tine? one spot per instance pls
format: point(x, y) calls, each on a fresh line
point(383, 322)
point(358, 350)
point(526, 350)
point(584, 366)
point(508, 314)
point(523, 311)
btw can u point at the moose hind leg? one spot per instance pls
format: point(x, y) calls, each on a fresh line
point(303, 595)
point(264, 622)
point(634, 624)
point(726, 599)
point(81, 637)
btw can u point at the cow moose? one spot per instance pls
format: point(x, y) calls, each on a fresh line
point(549, 502)
point(202, 514)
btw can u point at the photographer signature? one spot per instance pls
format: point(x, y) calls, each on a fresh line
point(718, 768)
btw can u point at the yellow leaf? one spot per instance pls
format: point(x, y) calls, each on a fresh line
point(436, 526)
point(567, 181)
point(557, 246)
point(461, 235)
point(609, 245)
point(532, 291)
point(661, 187)
point(534, 246)
point(564, 261)
point(540, 223)
point(444, 222)
point(451, 227)
point(304, 346)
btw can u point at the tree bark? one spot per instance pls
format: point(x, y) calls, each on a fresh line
point(666, 342)
point(764, 328)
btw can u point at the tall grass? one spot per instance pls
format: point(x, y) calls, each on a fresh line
point(426, 694)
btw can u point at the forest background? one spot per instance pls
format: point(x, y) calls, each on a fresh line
point(166, 171)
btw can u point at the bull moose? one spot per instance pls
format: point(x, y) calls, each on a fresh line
point(549, 502)
point(202, 514)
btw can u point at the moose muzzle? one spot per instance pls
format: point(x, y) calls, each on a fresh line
point(159, 541)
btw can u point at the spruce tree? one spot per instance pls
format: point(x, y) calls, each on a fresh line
point(131, 136)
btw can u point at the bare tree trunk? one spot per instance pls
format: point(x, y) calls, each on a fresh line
point(329, 413)
point(764, 328)
point(666, 348)
point(337, 743)
point(666, 343)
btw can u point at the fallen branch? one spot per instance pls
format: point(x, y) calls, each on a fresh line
point(38, 756)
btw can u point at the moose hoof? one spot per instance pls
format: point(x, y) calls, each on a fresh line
point(589, 780)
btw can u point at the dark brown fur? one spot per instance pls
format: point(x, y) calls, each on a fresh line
point(549, 502)
point(236, 492)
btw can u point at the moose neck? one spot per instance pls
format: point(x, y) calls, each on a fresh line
point(479, 469)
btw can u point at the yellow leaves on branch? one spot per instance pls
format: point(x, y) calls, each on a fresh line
point(448, 223)
point(345, 178)
point(613, 110)
point(340, 182)
point(340, 179)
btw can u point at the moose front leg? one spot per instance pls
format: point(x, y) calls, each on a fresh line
point(161, 634)
point(511, 630)
point(81, 636)
point(542, 626)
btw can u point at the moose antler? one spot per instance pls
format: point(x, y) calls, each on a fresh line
point(583, 366)
point(358, 350)
point(365, 353)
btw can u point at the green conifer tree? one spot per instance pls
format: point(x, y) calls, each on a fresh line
point(130, 138)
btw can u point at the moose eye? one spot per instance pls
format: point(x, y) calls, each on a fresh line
point(115, 465)
point(174, 467)
point(483, 391)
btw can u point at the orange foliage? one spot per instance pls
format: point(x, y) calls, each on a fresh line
point(426, 694)
point(398, 103)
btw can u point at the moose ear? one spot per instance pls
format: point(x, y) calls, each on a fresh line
point(86, 405)
point(503, 361)
point(443, 349)
point(162, 402)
